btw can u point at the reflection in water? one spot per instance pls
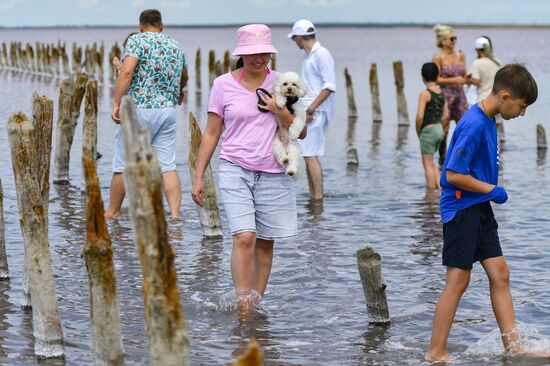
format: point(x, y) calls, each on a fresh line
point(402, 133)
point(254, 325)
point(541, 157)
point(4, 311)
point(375, 135)
point(314, 207)
point(427, 218)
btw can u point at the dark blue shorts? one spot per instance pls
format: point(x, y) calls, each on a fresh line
point(471, 236)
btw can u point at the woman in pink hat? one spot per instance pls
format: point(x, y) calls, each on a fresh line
point(258, 197)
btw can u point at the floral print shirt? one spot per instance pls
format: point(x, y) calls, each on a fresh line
point(156, 79)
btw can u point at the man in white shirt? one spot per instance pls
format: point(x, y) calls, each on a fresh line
point(318, 74)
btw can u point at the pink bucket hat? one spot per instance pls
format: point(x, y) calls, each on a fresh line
point(253, 39)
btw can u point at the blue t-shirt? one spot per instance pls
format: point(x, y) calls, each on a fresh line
point(473, 151)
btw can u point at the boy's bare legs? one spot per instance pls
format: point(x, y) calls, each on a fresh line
point(116, 196)
point(172, 190)
point(457, 281)
point(431, 171)
point(314, 176)
point(501, 300)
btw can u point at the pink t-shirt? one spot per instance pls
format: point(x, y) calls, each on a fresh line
point(248, 133)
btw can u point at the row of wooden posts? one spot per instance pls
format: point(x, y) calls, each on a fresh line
point(30, 143)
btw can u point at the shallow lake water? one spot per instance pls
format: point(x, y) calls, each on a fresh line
point(313, 312)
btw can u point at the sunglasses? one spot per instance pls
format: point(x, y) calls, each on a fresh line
point(453, 39)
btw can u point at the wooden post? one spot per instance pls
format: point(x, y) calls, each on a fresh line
point(375, 94)
point(211, 67)
point(104, 309)
point(198, 72)
point(352, 156)
point(226, 61)
point(89, 126)
point(274, 61)
point(352, 108)
point(541, 138)
point(4, 271)
point(65, 61)
point(165, 323)
point(374, 288)
point(70, 99)
point(402, 111)
point(33, 218)
point(209, 214)
point(99, 65)
point(252, 357)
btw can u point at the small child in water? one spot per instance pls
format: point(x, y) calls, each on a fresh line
point(432, 113)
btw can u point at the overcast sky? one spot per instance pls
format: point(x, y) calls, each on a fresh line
point(205, 12)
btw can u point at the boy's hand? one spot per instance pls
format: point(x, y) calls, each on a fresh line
point(499, 195)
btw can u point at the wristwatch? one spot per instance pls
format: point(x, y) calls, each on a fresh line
point(309, 111)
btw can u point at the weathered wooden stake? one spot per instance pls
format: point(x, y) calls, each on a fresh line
point(4, 271)
point(352, 108)
point(198, 88)
point(211, 67)
point(209, 214)
point(375, 94)
point(402, 111)
point(541, 138)
point(226, 61)
point(165, 322)
point(98, 253)
point(33, 218)
point(70, 99)
point(374, 288)
point(274, 62)
point(252, 357)
point(89, 125)
point(352, 156)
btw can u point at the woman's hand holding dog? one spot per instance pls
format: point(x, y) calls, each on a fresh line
point(282, 114)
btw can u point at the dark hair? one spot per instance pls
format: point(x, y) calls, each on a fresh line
point(430, 71)
point(309, 36)
point(150, 17)
point(239, 64)
point(516, 79)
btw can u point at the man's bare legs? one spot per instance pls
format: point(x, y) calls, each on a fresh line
point(251, 261)
point(117, 192)
point(116, 196)
point(314, 177)
point(172, 191)
point(457, 281)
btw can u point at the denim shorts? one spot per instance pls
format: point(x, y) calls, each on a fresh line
point(471, 236)
point(162, 124)
point(259, 202)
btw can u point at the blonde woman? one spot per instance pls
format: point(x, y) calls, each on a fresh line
point(452, 77)
point(484, 68)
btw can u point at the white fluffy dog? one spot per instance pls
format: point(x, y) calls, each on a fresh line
point(288, 89)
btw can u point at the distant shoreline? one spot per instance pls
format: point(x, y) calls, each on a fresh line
point(276, 25)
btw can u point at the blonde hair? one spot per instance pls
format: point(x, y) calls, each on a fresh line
point(441, 32)
point(488, 50)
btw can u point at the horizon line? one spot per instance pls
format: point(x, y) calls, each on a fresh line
point(282, 24)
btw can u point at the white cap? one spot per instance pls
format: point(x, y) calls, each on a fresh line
point(302, 27)
point(480, 43)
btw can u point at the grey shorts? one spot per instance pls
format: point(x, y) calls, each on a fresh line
point(259, 202)
point(162, 124)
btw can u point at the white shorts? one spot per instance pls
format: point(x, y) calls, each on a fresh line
point(314, 143)
point(162, 124)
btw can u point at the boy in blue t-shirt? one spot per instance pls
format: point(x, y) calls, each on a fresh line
point(469, 181)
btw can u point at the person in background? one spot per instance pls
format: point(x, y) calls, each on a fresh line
point(117, 63)
point(153, 73)
point(432, 111)
point(452, 77)
point(259, 198)
point(484, 68)
point(469, 181)
point(318, 74)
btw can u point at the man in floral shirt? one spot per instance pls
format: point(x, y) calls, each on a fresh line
point(154, 73)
